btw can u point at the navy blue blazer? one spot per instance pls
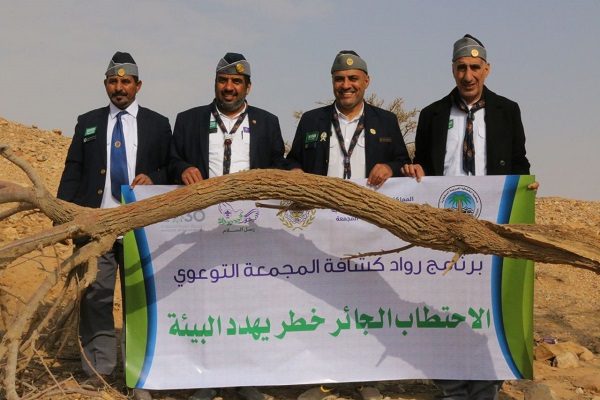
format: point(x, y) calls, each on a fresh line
point(383, 141)
point(83, 178)
point(189, 147)
point(505, 137)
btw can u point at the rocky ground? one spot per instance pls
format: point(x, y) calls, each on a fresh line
point(567, 300)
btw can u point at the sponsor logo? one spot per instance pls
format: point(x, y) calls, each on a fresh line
point(296, 219)
point(461, 198)
point(231, 216)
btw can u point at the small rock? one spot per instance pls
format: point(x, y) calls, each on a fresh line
point(41, 158)
point(588, 382)
point(586, 355)
point(579, 391)
point(57, 131)
point(566, 360)
point(542, 352)
point(34, 126)
point(572, 347)
point(539, 391)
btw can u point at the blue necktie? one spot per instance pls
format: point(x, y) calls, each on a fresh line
point(118, 159)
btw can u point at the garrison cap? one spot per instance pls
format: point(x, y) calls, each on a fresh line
point(348, 59)
point(122, 64)
point(468, 46)
point(233, 63)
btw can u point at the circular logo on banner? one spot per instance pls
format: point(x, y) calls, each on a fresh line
point(463, 198)
point(296, 219)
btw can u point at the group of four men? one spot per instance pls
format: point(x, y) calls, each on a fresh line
point(472, 131)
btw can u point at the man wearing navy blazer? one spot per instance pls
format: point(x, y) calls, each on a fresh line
point(497, 134)
point(350, 138)
point(227, 135)
point(116, 145)
point(471, 131)
point(223, 137)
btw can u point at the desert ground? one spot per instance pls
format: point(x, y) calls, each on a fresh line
point(566, 310)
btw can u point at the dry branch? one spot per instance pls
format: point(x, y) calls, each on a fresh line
point(419, 225)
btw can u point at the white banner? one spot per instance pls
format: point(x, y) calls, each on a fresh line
point(237, 295)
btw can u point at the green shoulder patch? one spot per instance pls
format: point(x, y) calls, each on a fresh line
point(90, 131)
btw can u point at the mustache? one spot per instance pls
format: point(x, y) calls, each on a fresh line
point(119, 93)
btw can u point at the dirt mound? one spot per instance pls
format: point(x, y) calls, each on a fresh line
point(566, 299)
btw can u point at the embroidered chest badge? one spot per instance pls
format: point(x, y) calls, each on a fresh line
point(311, 137)
point(451, 124)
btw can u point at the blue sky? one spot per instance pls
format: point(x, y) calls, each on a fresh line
point(544, 55)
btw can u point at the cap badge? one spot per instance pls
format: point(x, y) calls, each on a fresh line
point(239, 68)
point(372, 131)
point(121, 72)
point(474, 52)
point(349, 61)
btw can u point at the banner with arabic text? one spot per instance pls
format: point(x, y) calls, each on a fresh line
point(239, 295)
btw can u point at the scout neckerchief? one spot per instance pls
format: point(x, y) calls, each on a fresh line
point(338, 131)
point(468, 163)
point(227, 136)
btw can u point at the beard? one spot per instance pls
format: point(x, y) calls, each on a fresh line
point(231, 106)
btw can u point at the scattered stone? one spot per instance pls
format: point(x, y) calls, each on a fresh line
point(41, 158)
point(589, 382)
point(586, 355)
point(572, 347)
point(543, 352)
point(57, 131)
point(566, 360)
point(579, 390)
point(539, 391)
point(34, 126)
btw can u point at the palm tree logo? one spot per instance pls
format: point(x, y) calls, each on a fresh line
point(462, 199)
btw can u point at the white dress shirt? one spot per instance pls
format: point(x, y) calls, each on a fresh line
point(336, 156)
point(454, 142)
point(129, 122)
point(240, 145)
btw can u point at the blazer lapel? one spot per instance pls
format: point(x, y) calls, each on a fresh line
point(102, 134)
point(439, 129)
point(203, 128)
point(256, 128)
point(141, 149)
point(493, 124)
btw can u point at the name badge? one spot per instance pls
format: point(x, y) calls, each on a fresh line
point(89, 134)
point(212, 128)
point(385, 140)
